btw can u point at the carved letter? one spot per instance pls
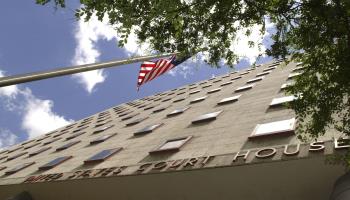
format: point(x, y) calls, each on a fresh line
point(108, 171)
point(341, 143)
point(74, 175)
point(176, 163)
point(144, 167)
point(239, 154)
point(190, 162)
point(159, 165)
point(261, 153)
point(291, 153)
point(206, 160)
point(317, 146)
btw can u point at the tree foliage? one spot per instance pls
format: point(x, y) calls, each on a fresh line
point(314, 32)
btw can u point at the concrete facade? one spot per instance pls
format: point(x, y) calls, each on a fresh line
point(225, 137)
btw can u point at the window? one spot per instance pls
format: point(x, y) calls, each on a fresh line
point(177, 111)
point(204, 82)
point(205, 86)
point(180, 93)
point(285, 85)
point(235, 78)
point(123, 114)
point(101, 124)
point(168, 99)
point(160, 109)
point(194, 87)
point(179, 99)
point(130, 116)
point(244, 73)
point(282, 100)
point(103, 120)
point(33, 145)
point(256, 79)
point(39, 151)
point(102, 129)
point(229, 100)
point(43, 138)
point(2, 168)
point(198, 99)
point(214, 90)
point(217, 81)
point(142, 106)
point(13, 150)
point(234, 72)
point(136, 121)
point(59, 134)
point(279, 127)
point(171, 145)
point(16, 156)
point(149, 107)
point(293, 75)
point(212, 78)
point(102, 138)
point(298, 69)
point(27, 142)
point(55, 162)
point(243, 88)
point(269, 68)
point(195, 91)
point(147, 129)
point(102, 155)
point(18, 168)
point(226, 76)
point(206, 117)
point(74, 135)
point(263, 73)
point(66, 146)
point(226, 83)
point(80, 129)
point(51, 141)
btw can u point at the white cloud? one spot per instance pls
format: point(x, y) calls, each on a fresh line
point(7, 138)
point(9, 91)
point(87, 34)
point(37, 115)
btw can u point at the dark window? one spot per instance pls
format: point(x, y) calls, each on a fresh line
point(66, 146)
point(130, 116)
point(74, 135)
point(39, 151)
point(51, 141)
point(226, 83)
point(102, 138)
point(214, 90)
point(142, 106)
point(18, 168)
point(269, 69)
point(122, 115)
point(2, 168)
point(179, 99)
point(2, 158)
point(149, 107)
point(103, 129)
point(263, 73)
point(243, 88)
point(177, 111)
point(212, 78)
point(33, 145)
point(159, 109)
point(229, 99)
point(27, 142)
point(136, 121)
point(16, 156)
point(235, 72)
point(101, 124)
point(59, 134)
point(226, 76)
point(205, 86)
point(101, 156)
point(43, 138)
point(168, 99)
point(171, 145)
point(147, 129)
point(15, 149)
point(206, 117)
point(217, 81)
point(235, 78)
point(194, 92)
point(180, 93)
point(204, 82)
point(80, 129)
point(54, 162)
point(198, 99)
point(256, 79)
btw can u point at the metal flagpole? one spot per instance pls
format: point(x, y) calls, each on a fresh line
point(23, 78)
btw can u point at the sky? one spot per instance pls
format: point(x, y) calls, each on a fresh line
point(35, 38)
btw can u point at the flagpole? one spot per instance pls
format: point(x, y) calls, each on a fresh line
point(24, 78)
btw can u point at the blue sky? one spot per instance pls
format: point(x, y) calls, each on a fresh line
point(35, 38)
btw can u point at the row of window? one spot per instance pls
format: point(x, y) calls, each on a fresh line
point(206, 117)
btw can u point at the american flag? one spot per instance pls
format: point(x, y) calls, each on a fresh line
point(150, 70)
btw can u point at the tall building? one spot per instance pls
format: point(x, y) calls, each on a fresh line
point(229, 137)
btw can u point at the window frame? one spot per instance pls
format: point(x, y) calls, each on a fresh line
point(173, 149)
point(285, 131)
